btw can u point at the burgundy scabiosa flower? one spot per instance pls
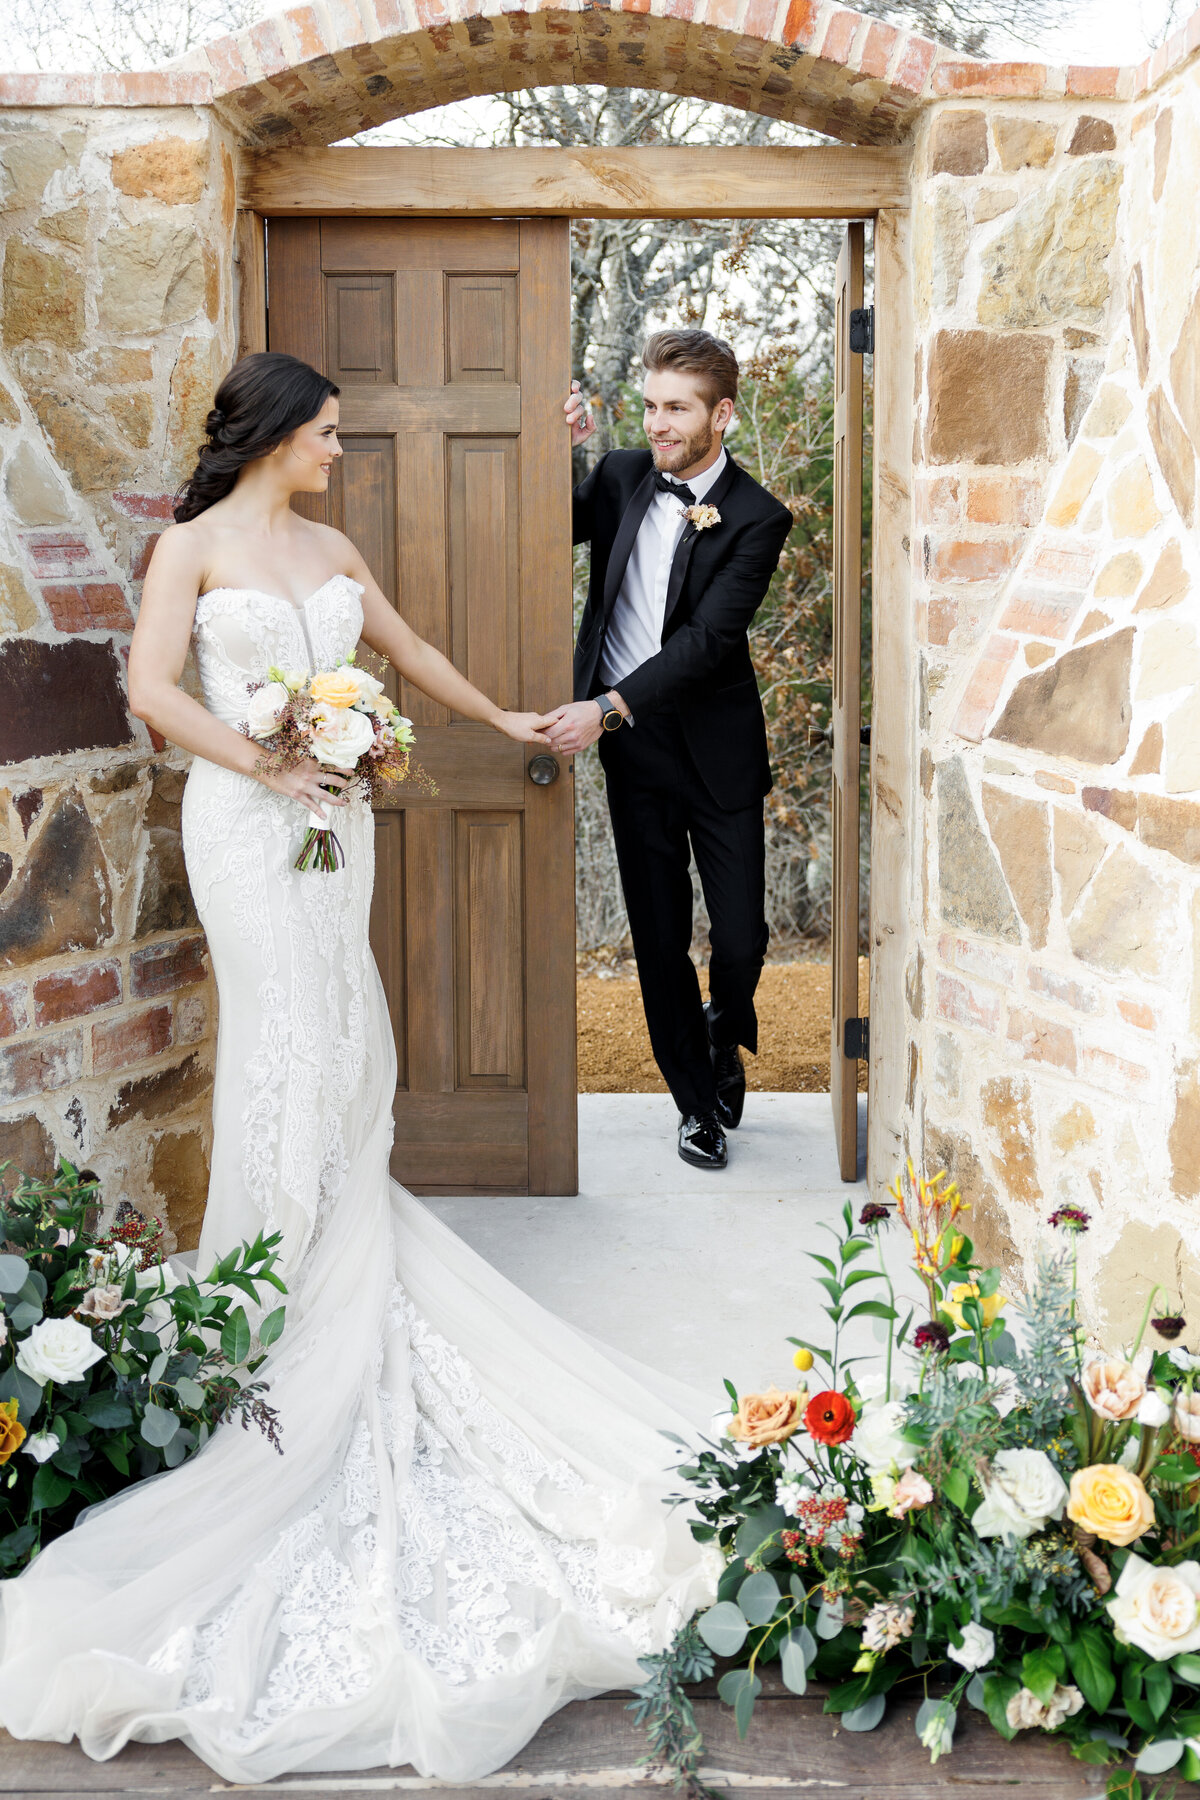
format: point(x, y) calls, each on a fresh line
point(874, 1214)
point(931, 1336)
point(1170, 1326)
point(1071, 1218)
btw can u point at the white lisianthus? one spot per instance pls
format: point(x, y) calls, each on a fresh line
point(101, 1304)
point(1183, 1359)
point(340, 735)
point(977, 1648)
point(370, 688)
point(878, 1443)
point(58, 1350)
point(41, 1446)
point(1154, 1410)
point(1158, 1609)
point(1025, 1710)
point(264, 709)
point(712, 1566)
point(1022, 1494)
point(3, 1329)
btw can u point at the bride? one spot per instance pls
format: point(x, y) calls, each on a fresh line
point(466, 1529)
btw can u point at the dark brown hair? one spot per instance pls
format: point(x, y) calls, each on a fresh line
point(262, 400)
point(696, 353)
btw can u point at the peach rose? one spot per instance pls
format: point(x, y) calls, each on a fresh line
point(1110, 1502)
point(1113, 1388)
point(1187, 1415)
point(768, 1418)
point(336, 687)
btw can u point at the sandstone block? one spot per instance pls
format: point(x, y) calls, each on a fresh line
point(28, 1147)
point(949, 247)
point(1169, 658)
point(33, 493)
point(90, 711)
point(17, 608)
point(1023, 143)
point(170, 169)
point(10, 412)
point(1078, 852)
point(179, 1170)
point(1185, 372)
point(1090, 135)
point(1075, 1127)
point(1137, 322)
point(69, 993)
point(162, 1094)
point(43, 297)
point(1091, 626)
point(958, 143)
point(1037, 654)
point(954, 1152)
point(29, 162)
point(1143, 1255)
point(1181, 748)
point(60, 898)
point(92, 456)
point(1119, 576)
point(1107, 413)
point(1168, 583)
point(1008, 1113)
point(194, 380)
point(70, 226)
point(988, 397)
point(1077, 707)
point(1078, 480)
point(1049, 263)
point(133, 415)
point(1124, 924)
point(1148, 759)
point(991, 202)
point(1170, 825)
point(973, 893)
point(120, 367)
point(1174, 452)
point(118, 1042)
point(1117, 804)
point(1021, 833)
point(152, 275)
point(1080, 383)
point(1184, 1140)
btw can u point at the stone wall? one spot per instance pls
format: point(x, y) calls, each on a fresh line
point(1055, 985)
point(115, 323)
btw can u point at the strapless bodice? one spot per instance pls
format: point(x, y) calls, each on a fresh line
point(240, 633)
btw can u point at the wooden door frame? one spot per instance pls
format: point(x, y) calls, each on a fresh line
point(811, 181)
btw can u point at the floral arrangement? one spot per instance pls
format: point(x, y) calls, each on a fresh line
point(343, 718)
point(1008, 1519)
point(111, 1366)
point(702, 517)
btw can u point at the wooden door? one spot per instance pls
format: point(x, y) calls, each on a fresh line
point(847, 707)
point(450, 343)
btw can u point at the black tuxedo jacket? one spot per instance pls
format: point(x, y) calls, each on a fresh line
point(703, 673)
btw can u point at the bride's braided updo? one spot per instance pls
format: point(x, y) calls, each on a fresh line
point(262, 400)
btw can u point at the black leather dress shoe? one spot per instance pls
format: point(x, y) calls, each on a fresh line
point(702, 1141)
point(731, 1079)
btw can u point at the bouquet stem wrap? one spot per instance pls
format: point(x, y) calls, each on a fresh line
point(321, 849)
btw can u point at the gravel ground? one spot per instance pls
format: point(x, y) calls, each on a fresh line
point(793, 1031)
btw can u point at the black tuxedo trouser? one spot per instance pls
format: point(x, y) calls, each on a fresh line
point(658, 803)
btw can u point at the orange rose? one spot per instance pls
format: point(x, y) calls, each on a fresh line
point(336, 687)
point(1111, 1502)
point(768, 1418)
point(12, 1435)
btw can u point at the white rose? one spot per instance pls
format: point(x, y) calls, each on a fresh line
point(102, 1304)
point(58, 1350)
point(1183, 1359)
point(1153, 1410)
point(3, 1329)
point(340, 735)
point(265, 706)
point(878, 1444)
point(977, 1648)
point(1158, 1609)
point(41, 1446)
point(1024, 1491)
point(369, 688)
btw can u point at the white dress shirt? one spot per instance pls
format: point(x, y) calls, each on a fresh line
point(635, 629)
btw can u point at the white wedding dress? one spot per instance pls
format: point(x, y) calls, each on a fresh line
point(466, 1528)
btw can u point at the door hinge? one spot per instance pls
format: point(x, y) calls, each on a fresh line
point(862, 330)
point(856, 1040)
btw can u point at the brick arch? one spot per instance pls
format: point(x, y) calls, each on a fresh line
point(312, 74)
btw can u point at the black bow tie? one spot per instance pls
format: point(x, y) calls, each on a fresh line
point(678, 490)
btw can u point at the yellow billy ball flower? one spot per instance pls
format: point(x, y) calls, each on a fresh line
point(803, 1360)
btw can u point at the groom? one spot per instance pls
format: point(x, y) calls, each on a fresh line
point(684, 543)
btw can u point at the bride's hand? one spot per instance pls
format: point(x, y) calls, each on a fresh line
point(307, 783)
point(525, 727)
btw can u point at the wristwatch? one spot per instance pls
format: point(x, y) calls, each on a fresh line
point(611, 717)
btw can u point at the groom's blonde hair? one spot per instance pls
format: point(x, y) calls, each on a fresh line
point(696, 353)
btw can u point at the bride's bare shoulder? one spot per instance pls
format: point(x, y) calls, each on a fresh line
point(335, 549)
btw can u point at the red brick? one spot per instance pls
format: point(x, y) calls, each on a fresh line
point(60, 555)
point(1114, 1073)
point(145, 506)
point(839, 35)
point(153, 87)
point(1042, 1040)
point(227, 64)
point(982, 960)
point(1060, 988)
point(40, 1065)
point(14, 1009)
point(268, 47)
point(47, 90)
point(969, 559)
point(1003, 500)
point(987, 679)
point(69, 993)
point(1135, 1012)
point(1014, 80)
point(880, 42)
point(758, 23)
point(913, 64)
point(1092, 83)
point(723, 15)
point(966, 1003)
point(140, 561)
point(160, 968)
point(1069, 565)
point(1040, 613)
point(389, 13)
point(941, 616)
point(100, 606)
point(118, 1042)
point(938, 500)
point(800, 23)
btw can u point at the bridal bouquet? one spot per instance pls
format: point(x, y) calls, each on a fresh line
point(343, 718)
point(111, 1366)
point(1009, 1521)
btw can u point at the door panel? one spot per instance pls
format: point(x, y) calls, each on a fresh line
point(449, 341)
point(847, 696)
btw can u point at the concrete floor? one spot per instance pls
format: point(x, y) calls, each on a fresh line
point(701, 1275)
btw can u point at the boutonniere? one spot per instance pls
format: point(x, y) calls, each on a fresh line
point(703, 516)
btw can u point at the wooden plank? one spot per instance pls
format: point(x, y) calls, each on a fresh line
point(847, 683)
point(250, 263)
point(471, 762)
point(545, 311)
point(489, 409)
point(895, 806)
point(357, 241)
point(820, 181)
point(296, 316)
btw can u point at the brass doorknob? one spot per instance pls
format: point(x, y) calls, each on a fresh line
point(543, 770)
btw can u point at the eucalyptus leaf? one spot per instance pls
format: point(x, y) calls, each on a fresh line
point(723, 1628)
point(796, 1653)
point(740, 1689)
point(24, 1315)
point(867, 1716)
point(974, 1695)
point(158, 1425)
point(1157, 1758)
point(757, 1527)
point(158, 1367)
point(190, 1392)
point(830, 1620)
point(14, 1273)
point(758, 1598)
point(16, 1385)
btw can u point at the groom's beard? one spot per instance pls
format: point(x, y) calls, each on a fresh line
point(671, 458)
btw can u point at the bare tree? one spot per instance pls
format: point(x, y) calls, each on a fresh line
point(117, 34)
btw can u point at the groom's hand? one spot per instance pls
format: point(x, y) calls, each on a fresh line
point(572, 728)
point(578, 416)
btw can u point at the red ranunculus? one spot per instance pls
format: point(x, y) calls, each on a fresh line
point(829, 1417)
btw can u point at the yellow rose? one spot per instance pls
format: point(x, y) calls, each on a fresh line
point(335, 687)
point(12, 1435)
point(989, 1305)
point(768, 1418)
point(1111, 1502)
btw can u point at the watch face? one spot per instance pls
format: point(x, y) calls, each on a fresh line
point(612, 720)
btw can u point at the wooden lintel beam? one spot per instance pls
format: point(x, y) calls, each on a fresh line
point(821, 181)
